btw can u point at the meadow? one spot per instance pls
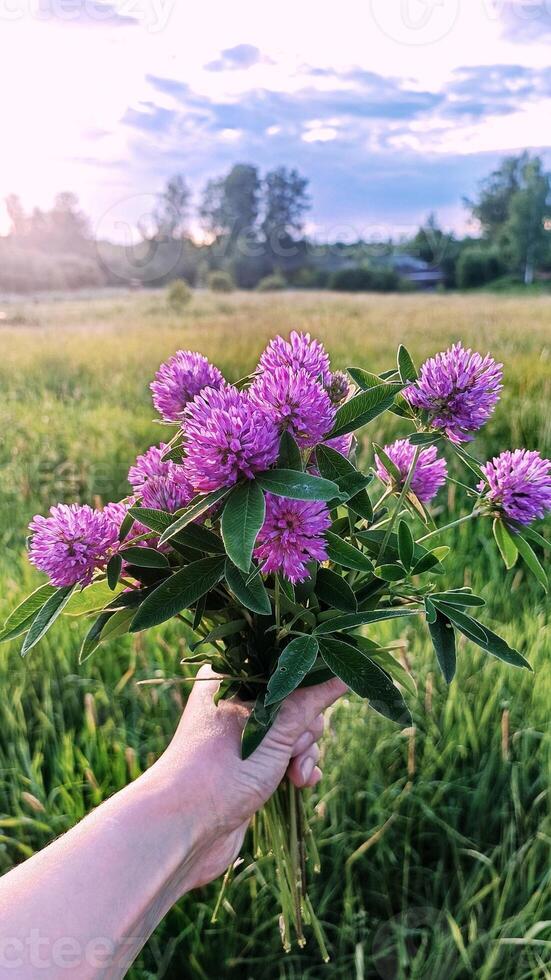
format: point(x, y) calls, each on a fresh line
point(434, 843)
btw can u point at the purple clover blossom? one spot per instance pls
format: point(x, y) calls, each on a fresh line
point(292, 535)
point(430, 470)
point(519, 484)
point(163, 484)
point(226, 437)
point(150, 464)
point(167, 493)
point(296, 403)
point(299, 352)
point(459, 389)
point(179, 380)
point(72, 543)
point(341, 444)
point(337, 387)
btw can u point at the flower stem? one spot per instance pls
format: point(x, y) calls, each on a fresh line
point(447, 527)
point(399, 502)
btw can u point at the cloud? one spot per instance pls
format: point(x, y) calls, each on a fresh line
point(240, 57)
point(525, 20)
point(89, 13)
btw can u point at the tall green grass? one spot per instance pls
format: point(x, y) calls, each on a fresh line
point(435, 842)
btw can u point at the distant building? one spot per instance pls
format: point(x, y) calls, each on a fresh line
point(416, 271)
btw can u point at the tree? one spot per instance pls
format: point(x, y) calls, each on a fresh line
point(229, 209)
point(171, 214)
point(525, 227)
point(285, 203)
point(492, 208)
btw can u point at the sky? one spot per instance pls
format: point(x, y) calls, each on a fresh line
point(392, 108)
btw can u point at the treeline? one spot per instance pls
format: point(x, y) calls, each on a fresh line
point(253, 236)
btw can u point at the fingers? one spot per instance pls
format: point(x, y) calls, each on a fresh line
point(302, 707)
point(204, 688)
point(313, 734)
point(303, 770)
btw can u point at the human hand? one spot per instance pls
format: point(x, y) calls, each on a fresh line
point(204, 767)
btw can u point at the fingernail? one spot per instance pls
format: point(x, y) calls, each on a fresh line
point(317, 775)
point(306, 769)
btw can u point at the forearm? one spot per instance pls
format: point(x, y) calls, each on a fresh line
point(85, 905)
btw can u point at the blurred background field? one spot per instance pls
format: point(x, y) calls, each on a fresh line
point(434, 843)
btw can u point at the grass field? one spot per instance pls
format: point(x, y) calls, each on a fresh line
point(435, 844)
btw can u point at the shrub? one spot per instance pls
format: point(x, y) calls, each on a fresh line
point(178, 295)
point(220, 282)
point(271, 283)
point(356, 279)
point(309, 278)
point(477, 266)
point(362, 278)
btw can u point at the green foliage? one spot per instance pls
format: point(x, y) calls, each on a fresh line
point(478, 266)
point(220, 282)
point(363, 279)
point(272, 283)
point(178, 295)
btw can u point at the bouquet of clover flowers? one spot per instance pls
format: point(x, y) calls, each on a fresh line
point(254, 526)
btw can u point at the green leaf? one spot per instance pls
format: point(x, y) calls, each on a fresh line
point(484, 638)
point(126, 526)
point(406, 367)
point(424, 438)
point(390, 573)
point(145, 558)
point(428, 561)
point(178, 592)
point(221, 632)
point(258, 725)
point(335, 591)
point(389, 664)
point(298, 657)
point(365, 678)
point(46, 617)
point(406, 544)
point(289, 453)
point(297, 486)
point(113, 571)
point(470, 627)
point(155, 520)
point(195, 510)
point(506, 543)
point(354, 620)
point(528, 532)
point(364, 408)
point(364, 379)
point(529, 556)
point(333, 466)
point(242, 518)
point(107, 627)
point(199, 538)
point(250, 593)
point(343, 553)
point(21, 617)
point(91, 599)
point(431, 611)
point(443, 639)
point(389, 465)
point(497, 647)
point(458, 598)
point(361, 505)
